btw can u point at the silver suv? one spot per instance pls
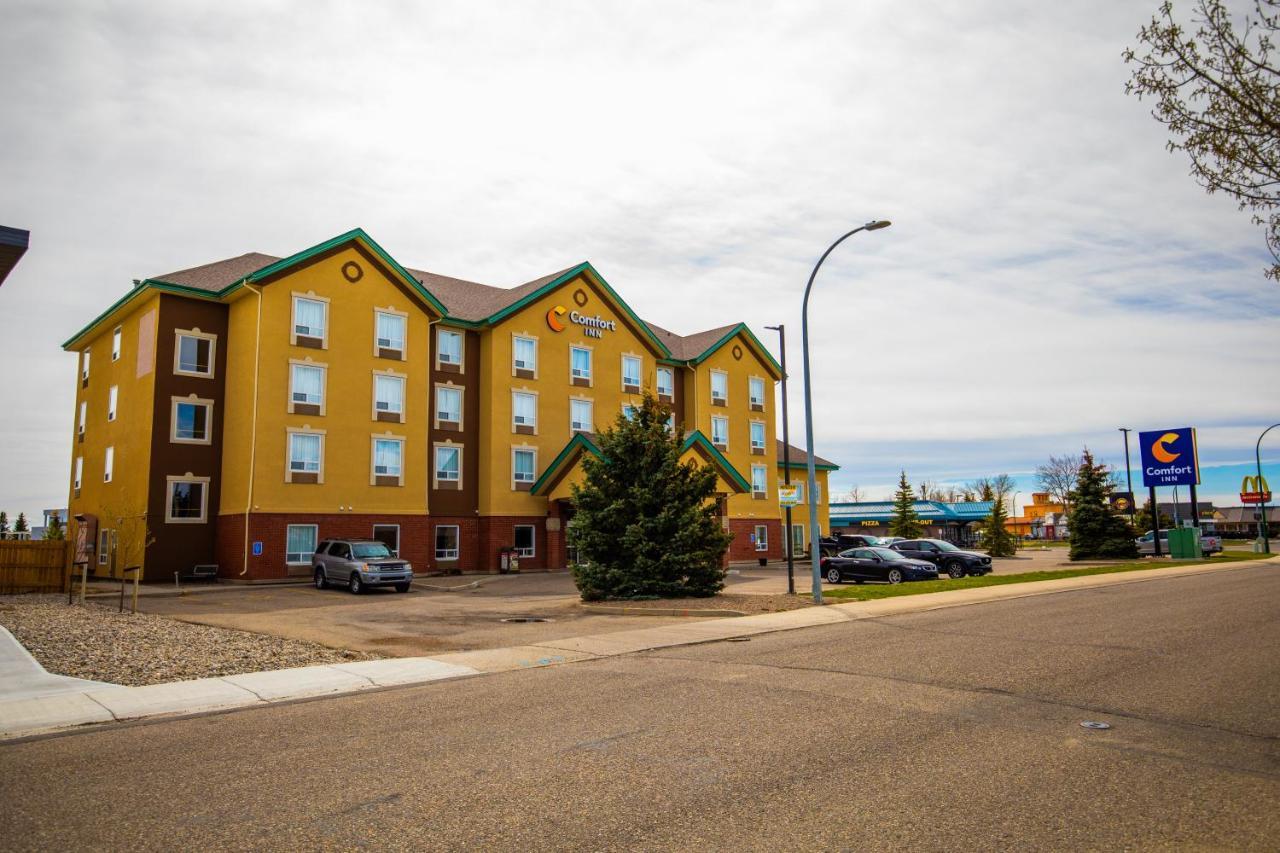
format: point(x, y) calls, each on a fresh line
point(359, 563)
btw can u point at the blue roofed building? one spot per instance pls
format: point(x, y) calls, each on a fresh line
point(954, 522)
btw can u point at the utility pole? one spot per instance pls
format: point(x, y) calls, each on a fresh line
point(781, 329)
point(1128, 473)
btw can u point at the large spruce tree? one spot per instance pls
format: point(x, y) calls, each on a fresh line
point(996, 537)
point(1096, 530)
point(645, 524)
point(905, 522)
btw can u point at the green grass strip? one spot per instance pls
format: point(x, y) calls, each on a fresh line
point(868, 592)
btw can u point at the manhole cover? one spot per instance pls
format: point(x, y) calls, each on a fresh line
point(525, 619)
point(1094, 724)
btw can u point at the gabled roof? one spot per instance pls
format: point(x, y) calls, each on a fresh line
point(698, 442)
point(800, 459)
point(582, 444)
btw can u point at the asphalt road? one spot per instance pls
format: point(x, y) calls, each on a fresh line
point(952, 729)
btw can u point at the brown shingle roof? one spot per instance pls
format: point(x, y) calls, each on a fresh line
point(685, 347)
point(219, 274)
point(799, 457)
point(469, 300)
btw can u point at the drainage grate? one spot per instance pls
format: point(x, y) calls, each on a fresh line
point(525, 619)
point(1094, 724)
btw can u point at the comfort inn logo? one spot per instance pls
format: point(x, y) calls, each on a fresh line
point(1159, 449)
point(1169, 457)
point(592, 327)
point(553, 318)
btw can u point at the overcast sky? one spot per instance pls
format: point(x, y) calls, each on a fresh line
point(1052, 272)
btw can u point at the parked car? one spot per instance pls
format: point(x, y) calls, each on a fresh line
point(887, 541)
point(359, 563)
point(1210, 543)
point(831, 545)
point(877, 564)
point(947, 557)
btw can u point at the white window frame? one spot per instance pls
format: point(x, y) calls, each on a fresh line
point(104, 546)
point(591, 405)
point(671, 376)
point(108, 463)
point(323, 367)
point(404, 340)
point(290, 432)
point(395, 551)
point(374, 474)
point(591, 366)
point(84, 366)
point(629, 411)
point(403, 379)
point(720, 445)
point(532, 550)
point(763, 472)
point(84, 414)
point(462, 349)
point(192, 400)
point(762, 537)
point(309, 296)
point(117, 337)
point(449, 555)
point(515, 339)
point(639, 363)
point(113, 402)
point(178, 335)
point(461, 391)
point(306, 557)
point(764, 434)
point(435, 462)
point(524, 392)
point(533, 451)
point(79, 473)
point(724, 377)
point(170, 482)
point(797, 542)
point(751, 400)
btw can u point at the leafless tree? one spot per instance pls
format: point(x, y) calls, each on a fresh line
point(1058, 477)
point(853, 494)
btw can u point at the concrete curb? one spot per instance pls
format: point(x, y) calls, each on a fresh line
point(608, 610)
point(31, 716)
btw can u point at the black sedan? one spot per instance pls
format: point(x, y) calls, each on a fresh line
point(955, 562)
point(876, 564)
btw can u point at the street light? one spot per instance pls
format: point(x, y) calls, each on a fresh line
point(814, 550)
point(1257, 458)
point(1128, 473)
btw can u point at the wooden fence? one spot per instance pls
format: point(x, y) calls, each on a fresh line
point(27, 566)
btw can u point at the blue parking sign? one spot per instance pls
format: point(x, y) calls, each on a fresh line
point(1169, 457)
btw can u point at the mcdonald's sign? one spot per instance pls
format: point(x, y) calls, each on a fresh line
point(1254, 490)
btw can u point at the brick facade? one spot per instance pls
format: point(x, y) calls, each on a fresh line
point(742, 548)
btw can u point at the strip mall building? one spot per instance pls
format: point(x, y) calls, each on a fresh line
point(238, 412)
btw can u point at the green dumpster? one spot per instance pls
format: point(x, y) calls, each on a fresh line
point(1184, 543)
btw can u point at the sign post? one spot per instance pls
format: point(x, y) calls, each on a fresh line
point(1169, 458)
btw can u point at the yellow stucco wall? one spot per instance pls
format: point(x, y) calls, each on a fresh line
point(800, 512)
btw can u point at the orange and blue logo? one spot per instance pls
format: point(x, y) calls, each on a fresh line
point(1169, 457)
point(1161, 452)
point(553, 318)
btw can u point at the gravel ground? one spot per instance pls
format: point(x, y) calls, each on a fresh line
point(723, 601)
point(138, 648)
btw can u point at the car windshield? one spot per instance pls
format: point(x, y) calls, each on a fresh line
point(873, 540)
point(944, 546)
point(370, 550)
point(886, 554)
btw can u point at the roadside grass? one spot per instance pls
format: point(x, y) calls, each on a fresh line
point(868, 592)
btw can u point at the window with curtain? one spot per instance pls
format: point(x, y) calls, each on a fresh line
point(762, 538)
point(666, 381)
point(115, 345)
point(757, 391)
point(580, 362)
point(448, 346)
point(300, 543)
point(580, 415)
point(79, 471)
point(109, 465)
point(304, 452)
point(391, 331)
point(719, 385)
point(308, 317)
point(524, 409)
point(522, 463)
point(758, 474)
point(757, 435)
point(448, 463)
point(525, 354)
point(308, 384)
point(628, 411)
point(720, 431)
point(113, 397)
point(630, 370)
point(386, 457)
point(388, 394)
point(449, 404)
point(84, 412)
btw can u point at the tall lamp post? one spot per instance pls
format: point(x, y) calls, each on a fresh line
point(781, 329)
point(1263, 534)
point(1128, 473)
point(814, 551)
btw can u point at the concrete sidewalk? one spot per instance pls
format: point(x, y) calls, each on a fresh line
point(85, 702)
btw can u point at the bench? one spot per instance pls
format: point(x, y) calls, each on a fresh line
point(206, 572)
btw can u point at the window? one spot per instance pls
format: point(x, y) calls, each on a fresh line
point(817, 492)
point(300, 543)
point(797, 537)
point(388, 398)
point(389, 330)
point(524, 357)
point(447, 542)
point(79, 472)
point(756, 386)
point(762, 538)
point(388, 454)
point(389, 535)
point(193, 354)
point(115, 344)
point(108, 465)
point(84, 413)
point(759, 487)
point(524, 540)
point(720, 432)
point(448, 464)
point(188, 500)
point(310, 322)
point(191, 421)
point(628, 411)
point(524, 411)
point(306, 451)
point(84, 368)
point(448, 347)
point(630, 372)
point(581, 418)
point(757, 436)
point(666, 382)
point(671, 422)
point(523, 464)
point(449, 406)
point(719, 386)
point(104, 547)
point(580, 365)
point(113, 398)
point(306, 392)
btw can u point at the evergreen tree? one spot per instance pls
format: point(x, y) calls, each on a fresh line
point(4, 524)
point(905, 522)
point(988, 493)
point(1096, 530)
point(645, 525)
point(54, 531)
point(21, 526)
point(998, 539)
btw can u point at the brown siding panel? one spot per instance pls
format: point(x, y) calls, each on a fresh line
point(458, 499)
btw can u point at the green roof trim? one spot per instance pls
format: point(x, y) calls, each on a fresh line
point(804, 466)
point(585, 266)
point(138, 288)
point(743, 329)
point(579, 443)
point(697, 439)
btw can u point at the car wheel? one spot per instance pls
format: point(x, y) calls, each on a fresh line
point(955, 569)
point(321, 583)
point(833, 575)
point(355, 584)
point(894, 576)
point(402, 587)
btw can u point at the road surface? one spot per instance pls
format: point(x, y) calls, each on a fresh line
point(952, 729)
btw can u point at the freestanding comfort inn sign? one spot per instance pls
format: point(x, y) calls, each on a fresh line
point(1169, 457)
